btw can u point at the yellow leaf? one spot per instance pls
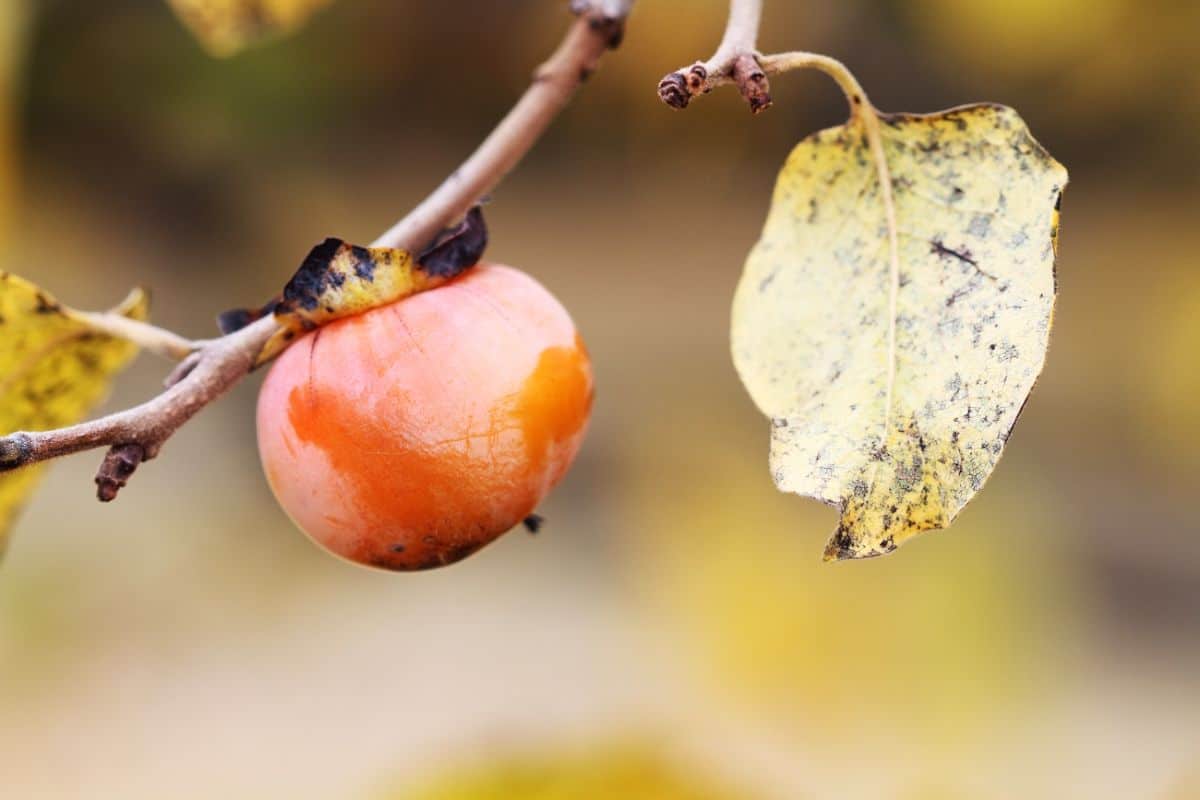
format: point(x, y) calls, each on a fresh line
point(630, 772)
point(53, 369)
point(339, 280)
point(892, 385)
point(228, 26)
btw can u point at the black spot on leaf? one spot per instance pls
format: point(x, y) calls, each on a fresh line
point(364, 266)
point(313, 277)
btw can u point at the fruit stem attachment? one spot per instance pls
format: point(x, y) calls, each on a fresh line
point(211, 368)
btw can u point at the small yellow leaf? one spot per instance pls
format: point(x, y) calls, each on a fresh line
point(227, 26)
point(898, 414)
point(53, 369)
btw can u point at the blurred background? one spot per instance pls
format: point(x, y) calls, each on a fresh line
point(672, 633)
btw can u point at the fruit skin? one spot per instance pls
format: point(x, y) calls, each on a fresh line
point(412, 435)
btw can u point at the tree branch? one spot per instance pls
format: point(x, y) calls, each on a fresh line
point(735, 61)
point(211, 368)
point(599, 27)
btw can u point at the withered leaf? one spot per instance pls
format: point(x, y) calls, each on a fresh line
point(338, 280)
point(892, 386)
point(54, 368)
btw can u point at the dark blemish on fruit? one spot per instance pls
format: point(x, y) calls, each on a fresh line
point(442, 558)
point(533, 523)
point(460, 551)
point(397, 548)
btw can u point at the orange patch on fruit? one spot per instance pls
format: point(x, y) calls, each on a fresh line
point(435, 490)
point(554, 403)
point(426, 489)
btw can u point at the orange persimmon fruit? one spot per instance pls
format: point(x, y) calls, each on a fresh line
point(410, 436)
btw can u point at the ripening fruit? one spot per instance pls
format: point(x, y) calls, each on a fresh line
point(412, 435)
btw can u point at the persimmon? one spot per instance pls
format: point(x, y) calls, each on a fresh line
point(412, 435)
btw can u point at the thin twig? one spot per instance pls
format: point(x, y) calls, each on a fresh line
point(735, 61)
point(598, 28)
point(211, 368)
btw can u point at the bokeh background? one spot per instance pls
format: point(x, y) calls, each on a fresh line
point(672, 633)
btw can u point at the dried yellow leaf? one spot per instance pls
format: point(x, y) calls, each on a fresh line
point(892, 379)
point(338, 279)
point(225, 27)
point(54, 368)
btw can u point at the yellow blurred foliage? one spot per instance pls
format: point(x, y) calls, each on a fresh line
point(227, 26)
point(1017, 36)
point(922, 647)
point(1097, 59)
point(628, 772)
